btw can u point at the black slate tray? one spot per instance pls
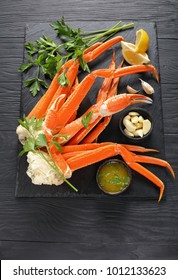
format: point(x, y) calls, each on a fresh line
point(84, 179)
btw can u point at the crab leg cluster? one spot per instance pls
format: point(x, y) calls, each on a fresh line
point(58, 108)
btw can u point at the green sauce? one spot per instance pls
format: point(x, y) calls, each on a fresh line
point(113, 177)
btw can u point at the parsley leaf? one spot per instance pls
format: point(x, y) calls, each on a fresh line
point(63, 80)
point(29, 146)
point(86, 119)
point(25, 66)
point(57, 145)
point(47, 57)
point(35, 88)
point(41, 140)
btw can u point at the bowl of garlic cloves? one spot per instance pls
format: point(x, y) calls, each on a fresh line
point(136, 124)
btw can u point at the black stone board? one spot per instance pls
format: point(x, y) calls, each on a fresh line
point(84, 179)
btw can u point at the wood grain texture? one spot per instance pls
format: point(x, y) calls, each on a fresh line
point(85, 229)
point(84, 9)
point(166, 29)
point(107, 221)
point(77, 251)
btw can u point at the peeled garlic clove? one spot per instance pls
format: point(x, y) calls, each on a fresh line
point(146, 126)
point(132, 114)
point(140, 119)
point(134, 119)
point(126, 118)
point(131, 90)
point(130, 126)
point(128, 132)
point(147, 87)
point(139, 125)
point(138, 132)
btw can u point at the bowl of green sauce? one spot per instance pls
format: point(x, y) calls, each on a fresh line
point(113, 176)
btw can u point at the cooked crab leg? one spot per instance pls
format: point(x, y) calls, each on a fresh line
point(71, 76)
point(40, 108)
point(157, 161)
point(101, 126)
point(109, 107)
point(131, 159)
point(92, 146)
point(102, 95)
point(78, 95)
point(139, 149)
point(42, 105)
point(73, 127)
point(98, 128)
point(61, 164)
point(110, 150)
point(87, 148)
point(101, 48)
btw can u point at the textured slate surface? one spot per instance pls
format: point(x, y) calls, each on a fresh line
point(140, 187)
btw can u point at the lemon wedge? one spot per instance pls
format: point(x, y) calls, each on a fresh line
point(130, 55)
point(142, 41)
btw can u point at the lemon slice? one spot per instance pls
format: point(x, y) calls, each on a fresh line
point(142, 41)
point(130, 55)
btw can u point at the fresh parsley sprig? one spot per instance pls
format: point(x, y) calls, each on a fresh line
point(46, 57)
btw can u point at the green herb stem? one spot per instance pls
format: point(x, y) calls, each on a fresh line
point(56, 169)
point(111, 32)
point(99, 30)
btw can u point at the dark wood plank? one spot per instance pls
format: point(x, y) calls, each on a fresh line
point(86, 10)
point(10, 93)
point(11, 48)
point(86, 251)
point(11, 56)
point(168, 64)
point(167, 29)
point(8, 155)
point(81, 220)
point(170, 105)
point(12, 30)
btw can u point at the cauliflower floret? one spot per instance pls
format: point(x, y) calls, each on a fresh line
point(40, 171)
point(22, 133)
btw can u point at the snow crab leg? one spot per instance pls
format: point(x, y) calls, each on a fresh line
point(89, 157)
point(93, 136)
point(90, 54)
point(72, 103)
point(107, 108)
point(101, 97)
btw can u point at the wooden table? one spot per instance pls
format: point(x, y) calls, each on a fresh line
point(48, 228)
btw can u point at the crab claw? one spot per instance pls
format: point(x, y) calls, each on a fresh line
point(52, 114)
point(119, 102)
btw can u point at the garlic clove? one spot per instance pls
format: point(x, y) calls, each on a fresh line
point(134, 119)
point(147, 87)
point(131, 89)
point(140, 119)
point(139, 125)
point(138, 132)
point(132, 114)
point(130, 126)
point(126, 118)
point(128, 132)
point(146, 126)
